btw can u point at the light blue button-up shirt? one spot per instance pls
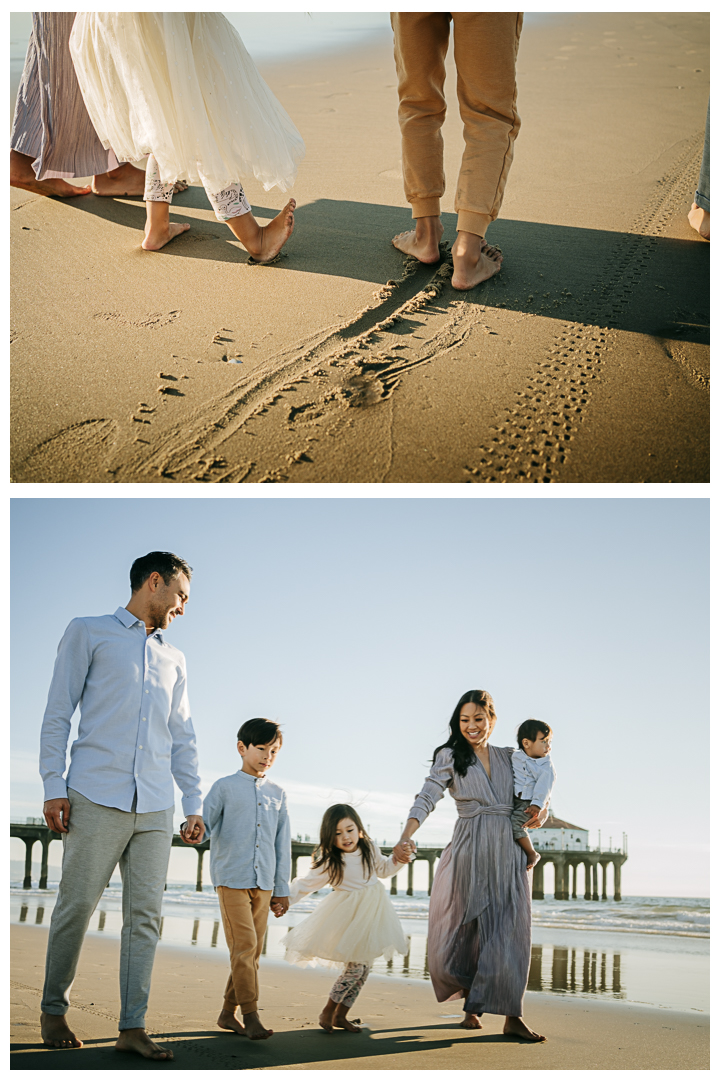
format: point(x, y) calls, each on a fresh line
point(534, 777)
point(135, 732)
point(247, 820)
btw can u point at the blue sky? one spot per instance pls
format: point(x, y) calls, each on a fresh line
point(357, 623)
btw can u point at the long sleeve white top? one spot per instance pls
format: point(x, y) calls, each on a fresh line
point(353, 876)
point(533, 777)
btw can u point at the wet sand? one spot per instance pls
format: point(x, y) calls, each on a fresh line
point(406, 1027)
point(585, 360)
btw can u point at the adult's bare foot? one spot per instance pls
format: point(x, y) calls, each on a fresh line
point(274, 236)
point(125, 180)
point(22, 176)
point(515, 1025)
point(158, 237)
point(474, 260)
point(228, 1021)
point(137, 1041)
point(471, 1021)
point(254, 1029)
point(422, 242)
point(700, 220)
point(56, 1033)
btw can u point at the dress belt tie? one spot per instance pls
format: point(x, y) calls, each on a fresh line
point(479, 895)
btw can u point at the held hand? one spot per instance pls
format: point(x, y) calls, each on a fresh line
point(193, 830)
point(279, 905)
point(57, 814)
point(404, 850)
point(537, 817)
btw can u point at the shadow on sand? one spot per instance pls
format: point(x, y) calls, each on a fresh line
point(220, 1050)
point(642, 284)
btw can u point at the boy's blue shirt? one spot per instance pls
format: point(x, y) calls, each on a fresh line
point(247, 821)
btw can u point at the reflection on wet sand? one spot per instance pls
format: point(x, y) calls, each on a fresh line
point(585, 971)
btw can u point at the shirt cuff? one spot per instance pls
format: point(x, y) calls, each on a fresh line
point(55, 788)
point(281, 889)
point(192, 804)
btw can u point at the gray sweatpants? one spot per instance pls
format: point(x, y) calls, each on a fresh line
point(98, 838)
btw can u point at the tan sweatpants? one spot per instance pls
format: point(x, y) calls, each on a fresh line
point(244, 915)
point(486, 45)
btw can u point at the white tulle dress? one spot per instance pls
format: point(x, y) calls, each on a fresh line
point(356, 923)
point(183, 87)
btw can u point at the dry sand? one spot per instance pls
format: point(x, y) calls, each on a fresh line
point(407, 1028)
point(585, 360)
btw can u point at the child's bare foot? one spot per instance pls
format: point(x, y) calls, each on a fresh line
point(56, 1033)
point(471, 1021)
point(254, 1029)
point(228, 1021)
point(700, 220)
point(422, 242)
point(473, 261)
point(340, 1019)
point(532, 859)
point(515, 1025)
point(22, 176)
point(158, 237)
point(137, 1040)
point(125, 180)
point(325, 1019)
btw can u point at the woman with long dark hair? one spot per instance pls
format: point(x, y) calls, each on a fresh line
point(479, 922)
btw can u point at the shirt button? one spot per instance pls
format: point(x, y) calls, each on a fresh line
point(144, 717)
point(147, 691)
point(139, 747)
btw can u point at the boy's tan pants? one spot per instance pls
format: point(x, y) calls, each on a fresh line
point(244, 915)
point(486, 45)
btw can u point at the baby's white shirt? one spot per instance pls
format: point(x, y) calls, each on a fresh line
point(534, 777)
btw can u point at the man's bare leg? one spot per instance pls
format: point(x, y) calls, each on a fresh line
point(473, 261)
point(159, 230)
point(264, 242)
point(125, 180)
point(137, 1040)
point(56, 1033)
point(423, 242)
point(700, 220)
point(515, 1025)
point(22, 176)
point(228, 1021)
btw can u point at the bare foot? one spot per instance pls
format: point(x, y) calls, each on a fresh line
point(532, 859)
point(515, 1025)
point(228, 1021)
point(254, 1029)
point(56, 1033)
point(340, 1019)
point(22, 176)
point(700, 220)
point(473, 261)
point(125, 180)
point(325, 1019)
point(274, 236)
point(136, 1040)
point(422, 242)
point(471, 1021)
point(156, 238)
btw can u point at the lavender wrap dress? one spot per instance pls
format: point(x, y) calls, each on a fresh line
point(480, 922)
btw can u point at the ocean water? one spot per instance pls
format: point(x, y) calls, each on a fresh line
point(642, 950)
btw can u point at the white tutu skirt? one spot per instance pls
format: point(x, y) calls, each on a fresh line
point(347, 927)
point(183, 87)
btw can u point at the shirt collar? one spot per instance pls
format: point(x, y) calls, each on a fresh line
point(258, 780)
point(128, 619)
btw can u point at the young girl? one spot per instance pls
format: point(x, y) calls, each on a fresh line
point(354, 924)
point(181, 87)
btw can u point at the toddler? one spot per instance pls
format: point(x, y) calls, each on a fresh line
point(534, 776)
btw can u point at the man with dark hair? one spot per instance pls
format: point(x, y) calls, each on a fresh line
point(116, 804)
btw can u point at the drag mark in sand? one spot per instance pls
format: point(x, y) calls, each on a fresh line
point(151, 321)
point(71, 447)
point(533, 443)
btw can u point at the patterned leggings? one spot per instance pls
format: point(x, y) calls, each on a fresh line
point(229, 203)
point(348, 985)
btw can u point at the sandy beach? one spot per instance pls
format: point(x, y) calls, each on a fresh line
point(406, 1027)
point(585, 360)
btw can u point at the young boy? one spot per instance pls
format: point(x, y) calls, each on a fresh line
point(246, 817)
point(534, 778)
